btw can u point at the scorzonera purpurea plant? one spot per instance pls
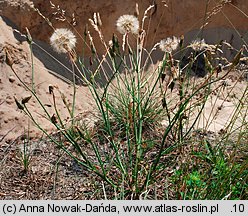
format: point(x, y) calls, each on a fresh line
point(128, 148)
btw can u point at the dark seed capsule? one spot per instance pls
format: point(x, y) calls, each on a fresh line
point(26, 99)
point(54, 119)
point(50, 89)
point(163, 75)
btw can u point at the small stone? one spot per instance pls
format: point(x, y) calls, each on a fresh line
point(12, 79)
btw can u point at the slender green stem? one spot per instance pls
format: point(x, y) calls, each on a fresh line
point(32, 65)
point(74, 95)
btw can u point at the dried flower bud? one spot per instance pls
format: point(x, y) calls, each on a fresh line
point(9, 59)
point(26, 99)
point(50, 89)
point(54, 119)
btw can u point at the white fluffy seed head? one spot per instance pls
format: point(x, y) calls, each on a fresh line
point(198, 44)
point(63, 40)
point(169, 44)
point(128, 24)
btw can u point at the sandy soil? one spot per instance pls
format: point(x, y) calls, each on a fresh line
point(13, 122)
